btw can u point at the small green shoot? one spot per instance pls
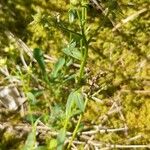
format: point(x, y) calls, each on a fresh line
point(58, 66)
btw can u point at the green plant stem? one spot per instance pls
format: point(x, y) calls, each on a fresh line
point(84, 43)
point(77, 126)
point(66, 123)
point(84, 49)
point(75, 131)
point(85, 56)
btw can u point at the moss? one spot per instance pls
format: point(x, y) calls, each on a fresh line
point(120, 57)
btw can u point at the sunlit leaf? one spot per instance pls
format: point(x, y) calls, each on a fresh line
point(72, 51)
point(72, 15)
point(70, 104)
point(79, 100)
point(75, 104)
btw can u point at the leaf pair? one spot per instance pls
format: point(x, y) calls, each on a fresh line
point(75, 104)
point(72, 51)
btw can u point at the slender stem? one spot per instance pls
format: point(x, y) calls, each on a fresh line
point(77, 126)
point(75, 132)
point(85, 56)
point(84, 50)
point(84, 43)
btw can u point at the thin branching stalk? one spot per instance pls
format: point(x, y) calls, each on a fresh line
point(84, 49)
point(83, 43)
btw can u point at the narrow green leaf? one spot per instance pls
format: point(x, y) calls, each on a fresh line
point(38, 55)
point(58, 66)
point(72, 51)
point(79, 101)
point(72, 15)
point(70, 104)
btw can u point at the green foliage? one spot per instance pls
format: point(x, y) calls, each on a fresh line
point(38, 55)
point(72, 51)
point(52, 144)
point(103, 47)
point(31, 97)
point(61, 139)
point(58, 66)
point(57, 116)
point(75, 104)
point(30, 142)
